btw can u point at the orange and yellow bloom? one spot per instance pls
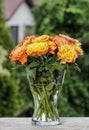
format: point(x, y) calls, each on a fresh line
point(37, 49)
point(19, 54)
point(67, 54)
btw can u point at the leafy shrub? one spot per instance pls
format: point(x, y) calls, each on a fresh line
point(8, 96)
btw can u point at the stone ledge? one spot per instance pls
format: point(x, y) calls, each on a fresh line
point(67, 123)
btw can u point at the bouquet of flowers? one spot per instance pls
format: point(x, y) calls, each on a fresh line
point(64, 48)
point(45, 58)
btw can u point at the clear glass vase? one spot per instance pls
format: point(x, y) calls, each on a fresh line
point(45, 87)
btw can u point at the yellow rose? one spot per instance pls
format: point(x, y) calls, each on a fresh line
point(37, 49)
point(67, 54)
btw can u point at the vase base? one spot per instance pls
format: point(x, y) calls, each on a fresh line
point(44, 123)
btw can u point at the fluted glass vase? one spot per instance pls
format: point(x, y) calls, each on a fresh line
point(45, 87)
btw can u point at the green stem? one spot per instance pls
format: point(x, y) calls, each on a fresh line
point(54, 110)
point(62, 82)
point(47, 103)
point(44, 104)
point(41, 103)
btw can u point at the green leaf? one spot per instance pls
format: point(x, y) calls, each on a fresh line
point(49, 86)
point(32, 65)
point(76, 67)
point(55, 66)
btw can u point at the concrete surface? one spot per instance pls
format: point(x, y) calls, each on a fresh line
point(73, 123)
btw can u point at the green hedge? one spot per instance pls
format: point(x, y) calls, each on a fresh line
point(8, 96)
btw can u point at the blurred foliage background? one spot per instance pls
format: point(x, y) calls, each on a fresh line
point(70, 17)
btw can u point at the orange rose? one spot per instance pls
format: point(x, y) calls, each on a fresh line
point(63, 39)
point(52, 47)
point(67, 39)
point(57, 41)
point(19, 53)
point(42, 38)
point(28, 40)
point(67, 54)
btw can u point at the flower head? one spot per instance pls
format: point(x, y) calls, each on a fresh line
point(63, 39)
point(28, 40)
point(52, 47)
point(42, 38)
point(67, 54)
point(37, 49)
point(78, 49)
point(19, 53)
